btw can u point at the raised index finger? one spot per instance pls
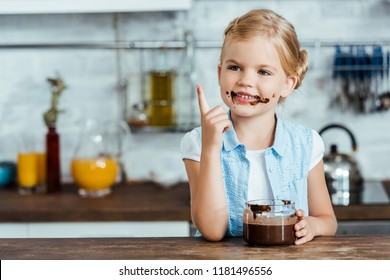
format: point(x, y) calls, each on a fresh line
point(203, 106)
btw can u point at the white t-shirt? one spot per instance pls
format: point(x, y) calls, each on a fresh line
point(258, 186)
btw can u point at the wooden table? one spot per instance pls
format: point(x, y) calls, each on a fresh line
point(188, 248)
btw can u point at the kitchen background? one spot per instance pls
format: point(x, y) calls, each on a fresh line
point(104, 58)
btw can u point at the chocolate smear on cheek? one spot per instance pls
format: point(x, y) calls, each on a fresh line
point(231, 96)
point(262, 99)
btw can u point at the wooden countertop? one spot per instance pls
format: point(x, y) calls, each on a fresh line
point(189, 248)
point(132, 202)
point(143, 201)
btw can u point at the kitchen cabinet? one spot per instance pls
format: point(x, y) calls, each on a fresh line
point(90, 6)
point(138, 201)
point(132, 210)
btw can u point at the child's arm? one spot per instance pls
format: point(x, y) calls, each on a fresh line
point(209, 209)
point(322, 220)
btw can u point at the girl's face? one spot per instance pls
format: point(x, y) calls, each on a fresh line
point(251, 77)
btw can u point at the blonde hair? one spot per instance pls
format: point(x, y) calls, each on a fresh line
point(278, 30)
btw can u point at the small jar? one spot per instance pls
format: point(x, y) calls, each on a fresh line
point(139, 117)
point(269, 222)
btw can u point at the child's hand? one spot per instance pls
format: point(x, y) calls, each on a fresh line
point(214, 122)
point(303, 229)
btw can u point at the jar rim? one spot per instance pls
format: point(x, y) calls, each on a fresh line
point(274, 207)
point(270, 202)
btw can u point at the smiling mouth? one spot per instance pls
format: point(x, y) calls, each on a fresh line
point(258, 100)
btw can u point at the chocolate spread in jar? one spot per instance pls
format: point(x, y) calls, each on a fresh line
point(269, 222)
point(268, 235)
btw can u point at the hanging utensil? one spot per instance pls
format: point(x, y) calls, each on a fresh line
point(367, 77)
point(377, 72)
point(355, 81)
point(362, 79)
point(350, 76)
point(384, 98)
point(340, 82)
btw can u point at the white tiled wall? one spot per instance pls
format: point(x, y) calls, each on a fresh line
point(92, 75)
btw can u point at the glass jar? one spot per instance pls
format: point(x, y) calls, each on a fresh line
point(269, 222)
point(162, 99)
point(93, 168)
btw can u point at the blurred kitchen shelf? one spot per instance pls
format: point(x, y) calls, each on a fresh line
point(90, 6)
point(152, 129)
point(173, 44)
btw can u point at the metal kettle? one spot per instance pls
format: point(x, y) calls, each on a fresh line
point(342, 174)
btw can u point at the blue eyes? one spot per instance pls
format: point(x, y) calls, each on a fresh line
point(237, 68)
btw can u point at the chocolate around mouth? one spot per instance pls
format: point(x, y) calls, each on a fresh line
point(258, 98)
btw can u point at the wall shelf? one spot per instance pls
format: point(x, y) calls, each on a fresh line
point(90, 6)
point(181, 44)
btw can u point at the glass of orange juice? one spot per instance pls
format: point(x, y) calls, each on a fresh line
point(27, 172)
point(31, 165)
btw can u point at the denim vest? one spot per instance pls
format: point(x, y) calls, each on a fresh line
point(287, 164)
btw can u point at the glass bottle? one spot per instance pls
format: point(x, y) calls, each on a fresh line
point(53, 168)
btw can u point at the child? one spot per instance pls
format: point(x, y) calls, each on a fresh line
point(250, 152)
